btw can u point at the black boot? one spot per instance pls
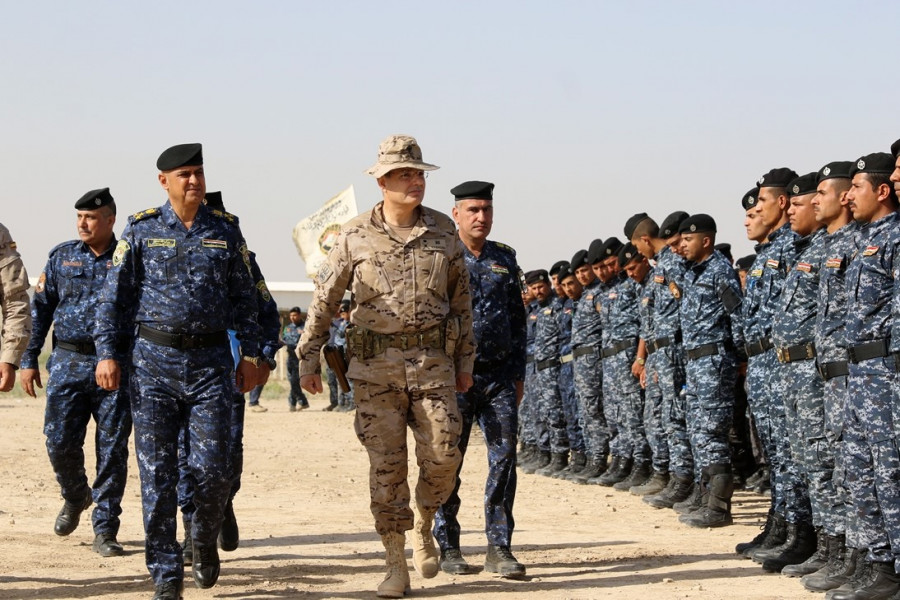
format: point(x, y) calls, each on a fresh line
point(679, 490)
point(169, 590)
point(229, 536)
point(206, 565)
point(761, 555)
point(70, 514)
point(717, 512)
point(558, 462)
point(576, 465)
point(613, 466)
point(761, 474)
point(776, 536)
point(614, 476)
point(842, 564)
point(541, 460)
point(804, 546)
point(692, 502)
point(594, 468)
point(640, 472)
point(525, 454)
point(881, 584)
point(743, 547)
point(187, 546)
point(815, 562)
point(658, 482)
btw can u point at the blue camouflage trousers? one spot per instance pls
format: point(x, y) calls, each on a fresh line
point(619, 442)
point(784, 426)
point(709, 390)
point(653, 423)
point(73, 398)
point(766, 405)
point(491, 401)
point(813, 453)
point(871, 460)
point(668, 368)
point(532, 430)
point(835, 399)
point(570, 407)
point(631, 412)
point(588, 392)
point(171, 391)
point(550, 410)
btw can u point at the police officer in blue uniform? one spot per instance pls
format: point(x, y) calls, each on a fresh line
point(290, 335)
point(66, 297)
point(176, 271)
point(499, 325)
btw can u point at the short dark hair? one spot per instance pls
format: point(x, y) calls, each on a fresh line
point(877, 180)
point(646, 227)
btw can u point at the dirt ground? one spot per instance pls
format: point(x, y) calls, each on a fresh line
point(306, 529)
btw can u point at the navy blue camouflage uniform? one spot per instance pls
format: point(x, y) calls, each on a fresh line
point(290, 335)
point(187, 283)
point(532, 431)
point(66, 297)
point(871, 458)
point(567, 375)
point(587, 334)
point(499, 327)
point(710, 324)
point(653, 398)
point(547, 340)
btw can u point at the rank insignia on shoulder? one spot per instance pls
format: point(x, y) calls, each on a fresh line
point(122, 249)
point(208, 243)
point(675, 290)
point(804, 267)
point(223, 215)
point(505, 247)
point(659, 279)
point(870, 250)
point(144, 214)
point(772, 263)
point(833, 263)
point(499, 269)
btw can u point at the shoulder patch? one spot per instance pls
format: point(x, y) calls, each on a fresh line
point(264, 290)
point(122, 248)
point(503, 246)
point(150, 212)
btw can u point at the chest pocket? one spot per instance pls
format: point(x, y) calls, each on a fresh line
point(211, 262)
point(72, 280)
point(161, 264)
point(437, 277)
point(369, 281)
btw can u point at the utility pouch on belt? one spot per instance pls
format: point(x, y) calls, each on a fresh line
point(334, 356)
point(364, 343)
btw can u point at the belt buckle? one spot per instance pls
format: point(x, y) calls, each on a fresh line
point(780, 354)
point(810, 351)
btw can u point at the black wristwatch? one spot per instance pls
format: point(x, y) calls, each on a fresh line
point(271, 362)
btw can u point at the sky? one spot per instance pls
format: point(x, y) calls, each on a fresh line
point(581, 113)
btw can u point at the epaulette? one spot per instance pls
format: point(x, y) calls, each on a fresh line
point(64, 245)
point(224, 215)
point(138, 216)
point(503, 246)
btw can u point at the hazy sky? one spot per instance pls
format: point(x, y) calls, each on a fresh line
point(582, 113)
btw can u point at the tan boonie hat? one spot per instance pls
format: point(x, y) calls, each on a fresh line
point(399, 152)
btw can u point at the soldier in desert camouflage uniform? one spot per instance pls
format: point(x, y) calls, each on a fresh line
point(15, 308)
point(411, 348)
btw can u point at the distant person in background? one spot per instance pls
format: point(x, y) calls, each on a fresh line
point(290, 335)
point(345, 399)
point(15, 310)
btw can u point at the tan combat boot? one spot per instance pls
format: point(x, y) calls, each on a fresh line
point(426, 558)
point(396, 581)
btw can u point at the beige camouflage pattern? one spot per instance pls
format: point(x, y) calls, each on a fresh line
point(397, 286)
point(14, 303)
point(381, 416)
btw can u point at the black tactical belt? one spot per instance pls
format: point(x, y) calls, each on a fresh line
point(759, 346)
point(662, 342)
point(183, 341)
point(794, 353)
point(830, 370)
point(704, 350)
point(584, 351)
point(529, 358)
point(861, 352)
point(546, 364)
point(617, 347)
point(79, 347)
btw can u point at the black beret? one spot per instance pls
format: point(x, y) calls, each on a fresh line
point(610, 247)
point(878, 163)
point(296, 309)
point(780, 177)
point(632, 223)
point(182, 155)
point(94, 199)
point(745, 262)
point(750, 199)
point(214, 200)
point(670, 226)
point(698, 223)
point(579, 259)
point(839, 169)
point(895, 148)
point(627, 253)
point(474, 190)
point(725, 249)
point(565, 271)
point(536, 276)
point(803, 185)
point(345, 305)
point(557, 266)
point(595, 252)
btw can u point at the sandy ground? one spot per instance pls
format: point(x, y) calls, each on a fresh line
point(306, 530)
